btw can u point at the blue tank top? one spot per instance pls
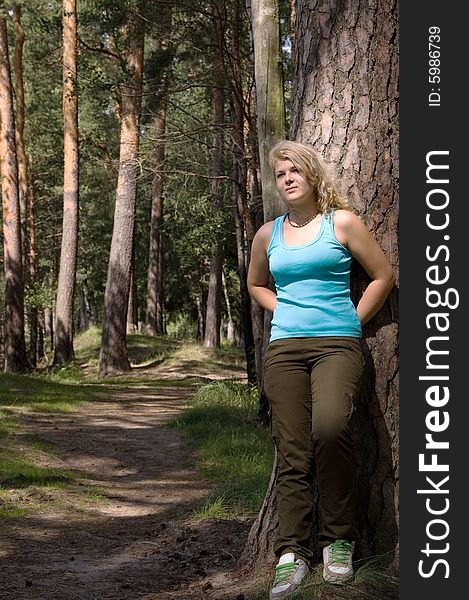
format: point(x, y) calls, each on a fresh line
point(312, 282)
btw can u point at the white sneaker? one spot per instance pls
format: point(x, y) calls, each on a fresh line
point(338, 561)
point(289, 573)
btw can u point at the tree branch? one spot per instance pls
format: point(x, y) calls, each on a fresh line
point(99, 49)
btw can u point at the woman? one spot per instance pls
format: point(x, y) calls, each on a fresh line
point(314, 363)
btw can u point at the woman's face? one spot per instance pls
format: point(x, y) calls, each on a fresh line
point(292, 186)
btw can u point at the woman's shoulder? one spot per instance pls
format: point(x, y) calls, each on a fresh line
point(265, 230)
point(347, 221)
point(348, 226)
point(264, 233)
point(346, 217)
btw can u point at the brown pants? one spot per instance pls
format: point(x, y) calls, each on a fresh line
point(311, 384)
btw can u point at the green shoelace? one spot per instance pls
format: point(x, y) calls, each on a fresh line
point(340, 552)
point(283, 572)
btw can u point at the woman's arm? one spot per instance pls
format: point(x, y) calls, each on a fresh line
point(367, 251)
point(258, 273)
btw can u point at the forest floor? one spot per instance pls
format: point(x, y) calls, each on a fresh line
point(99, 494)
point(131, 536)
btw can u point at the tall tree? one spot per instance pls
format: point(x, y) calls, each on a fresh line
point(23, 179)
point(240, 188)
point(114, 356)
point(270, 126)
point(14, 340)
point(154, 324)
point(345, 105)
point(155, 297)
point(213, 313)
point(27, 196)
point(269, 94)
point(32, 266)
point(349, 112)
point(68, 256)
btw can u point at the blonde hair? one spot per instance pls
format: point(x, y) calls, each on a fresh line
point(314, 170)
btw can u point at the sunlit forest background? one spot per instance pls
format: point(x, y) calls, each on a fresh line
point(133, 147)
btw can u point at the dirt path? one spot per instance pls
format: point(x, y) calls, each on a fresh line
point(138, 542)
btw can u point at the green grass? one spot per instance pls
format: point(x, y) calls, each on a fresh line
point(22, 481)
point(26, 486)
point(234, 451)
point(16, 472)
point(142, 349)
point(9, 509)
point(7, 423)
point(21, 392)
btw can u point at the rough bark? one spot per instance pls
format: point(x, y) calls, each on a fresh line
point(345, 105)
point(348, 110)
point(114, 356)
point(260, 543)
point(14, 339)
point(68, 256)
point(213, 314)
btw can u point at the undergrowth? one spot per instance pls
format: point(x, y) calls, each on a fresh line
point(234, 451)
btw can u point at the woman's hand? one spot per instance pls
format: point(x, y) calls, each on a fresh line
point(352, 233)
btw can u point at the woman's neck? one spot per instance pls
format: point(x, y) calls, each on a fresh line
point(301, 214)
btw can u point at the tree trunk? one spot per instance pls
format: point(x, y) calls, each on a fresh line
point(270, 111)
point(271, 129)
point(230, 327)
point(14, 340)
point(132, 311)
point(19, 94)
point(213, 306)
point(257, 312)
point(32, 263)
point(40, 353)
point(269, 95)
point(155, 283)
point(84, 307)
point(213, 315)
point(345, 105)
point(114, 356)
point(27, 196)
point(200, 316)
point(49, 326)
point(68, 256)
point(155, 297)
point(359, 132)
point(2, 327)
point(239, 198)
point(239, 189)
